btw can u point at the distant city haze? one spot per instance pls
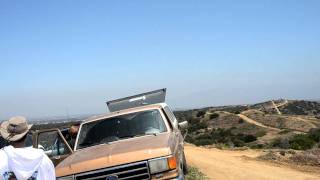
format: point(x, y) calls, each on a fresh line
point(62, 58)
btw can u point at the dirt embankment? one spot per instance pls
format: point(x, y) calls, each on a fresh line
point(226, 164)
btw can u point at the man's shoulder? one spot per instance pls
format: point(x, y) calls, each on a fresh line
point(40, 151)
point(31, 152)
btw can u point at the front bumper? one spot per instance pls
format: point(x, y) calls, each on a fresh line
point(174, 175)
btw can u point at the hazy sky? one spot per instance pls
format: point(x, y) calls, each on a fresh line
point(59, 55)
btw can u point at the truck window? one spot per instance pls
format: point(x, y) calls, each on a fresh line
point(121, 127)
point(52, 144)
point(171, 116)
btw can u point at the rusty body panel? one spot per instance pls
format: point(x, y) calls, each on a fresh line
point(119, 152)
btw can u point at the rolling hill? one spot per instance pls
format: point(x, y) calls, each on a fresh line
point(275, 123)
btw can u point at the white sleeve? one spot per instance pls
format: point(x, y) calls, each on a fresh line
point(47, 171)
point(3, 164)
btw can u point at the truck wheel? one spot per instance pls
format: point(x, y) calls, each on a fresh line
point(181, 170)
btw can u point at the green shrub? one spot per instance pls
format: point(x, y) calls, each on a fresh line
point(201, 113)
point(203, 142)
point(276, 142)
point(261, 133)
point(257, 146)
point(222, 136)
point(222, 146)
point(214, 115)
point(301, 142)
point(285, 131)
point(238, 142)
point(282, 143)
point(195, 174)
point(315, 134)
point(197, 126)
point(249, 138)
point(189, 139)
point(237, 112)
point(203, 139)
point(193, 120)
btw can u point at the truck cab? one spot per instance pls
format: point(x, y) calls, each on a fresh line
point(139, 139)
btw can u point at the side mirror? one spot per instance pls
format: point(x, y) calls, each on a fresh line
point(183, 125)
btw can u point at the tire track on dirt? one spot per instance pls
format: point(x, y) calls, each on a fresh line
point(240, 165)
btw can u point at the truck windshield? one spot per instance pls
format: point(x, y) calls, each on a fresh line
point(121, 127)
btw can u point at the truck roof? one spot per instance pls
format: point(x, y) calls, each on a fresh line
point(125, 111)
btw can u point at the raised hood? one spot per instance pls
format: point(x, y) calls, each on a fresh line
point(116, 153)
point(143, 99)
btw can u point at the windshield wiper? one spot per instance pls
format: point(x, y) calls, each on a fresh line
point(131, 136)
point(137, 135)
point(155, 134)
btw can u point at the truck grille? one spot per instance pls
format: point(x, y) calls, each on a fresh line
point(134, 171)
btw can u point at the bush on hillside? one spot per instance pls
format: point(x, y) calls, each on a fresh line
point(282, 143)
point(237, 112)
point(200, 113)
point(223, 136)
point(257, 146)
point(285, 131)
point(197, 126)
point(301, 142)
point(261, 133)
point(298, 141)
point(238, 142)
point(310, 157)
point(249, 138)
point(203, 142)
point(214, 115)
point(204, 139)
point(315, 134)
point(192, 120)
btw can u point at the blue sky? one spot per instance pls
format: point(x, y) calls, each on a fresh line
point(59, 55)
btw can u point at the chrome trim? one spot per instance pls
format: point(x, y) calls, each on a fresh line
point(144, 163)
point(134, 176)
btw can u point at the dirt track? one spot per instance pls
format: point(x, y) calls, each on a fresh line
point(225, 164)
point(251, 121)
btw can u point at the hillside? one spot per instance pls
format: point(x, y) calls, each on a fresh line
point(272, 124)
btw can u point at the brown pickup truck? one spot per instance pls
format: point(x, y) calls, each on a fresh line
point(139, 139)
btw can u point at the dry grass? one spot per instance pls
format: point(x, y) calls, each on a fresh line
point(195, 174)
point(310, 157)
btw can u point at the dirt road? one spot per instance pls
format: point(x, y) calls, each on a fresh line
point(251, 121)
point(229, 165)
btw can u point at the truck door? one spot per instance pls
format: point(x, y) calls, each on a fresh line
point(176, 131)
point(53, 143)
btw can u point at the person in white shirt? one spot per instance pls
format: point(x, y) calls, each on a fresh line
point(3, 163)
point(22, 162)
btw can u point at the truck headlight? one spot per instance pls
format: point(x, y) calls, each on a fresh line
point(162, 164)
point(65, 178)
